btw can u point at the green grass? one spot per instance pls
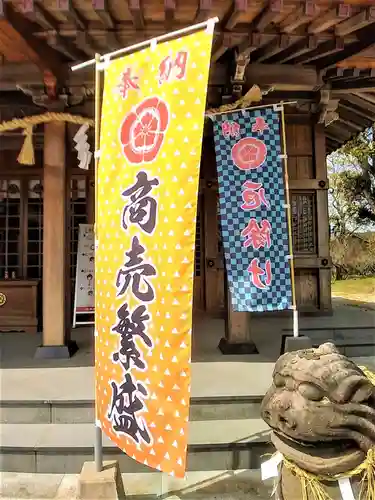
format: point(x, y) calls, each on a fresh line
point(359, 289)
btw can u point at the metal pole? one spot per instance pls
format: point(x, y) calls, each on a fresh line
point(239, 110)
point(289, 217)
point(146, 43)
point(98, 449)
point(98, 445)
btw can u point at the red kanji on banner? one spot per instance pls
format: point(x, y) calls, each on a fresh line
point(249, 153)
point(257, 235)
point(260, 125)
point(128, 82)
point(257, 272)
point(173, 69)
point(253, 196)
point(230, 129)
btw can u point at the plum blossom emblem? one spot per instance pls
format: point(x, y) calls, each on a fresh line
point(143, 130)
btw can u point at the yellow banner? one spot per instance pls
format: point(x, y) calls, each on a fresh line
point(151, 136)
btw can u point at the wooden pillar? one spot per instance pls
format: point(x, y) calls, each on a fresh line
point(212, 284)
point(90, 183)
point(237, 338)
point(56, 292)
point(325, 301)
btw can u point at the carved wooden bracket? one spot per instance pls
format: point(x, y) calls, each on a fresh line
point(65, 98)
point(238, 80)
point(326, 108)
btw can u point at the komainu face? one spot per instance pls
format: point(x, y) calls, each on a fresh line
point(321, 408)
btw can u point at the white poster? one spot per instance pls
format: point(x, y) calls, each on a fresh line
point(84, 302)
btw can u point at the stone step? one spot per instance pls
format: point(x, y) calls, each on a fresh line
point(81, 412)
point(239, 484)
point(63, 448)
point(352, 342)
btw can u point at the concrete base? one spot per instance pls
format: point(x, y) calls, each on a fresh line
point(297, 343)
point(57, 351)
point(104, 485)
point(227, 347)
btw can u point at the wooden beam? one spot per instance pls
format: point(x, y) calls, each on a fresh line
point(268, 15)
point(136, 12)
point(12, 74)
point(275, 46)
point(329, 19)
point(238, 8)
point(20, 29)
point(335, 73)
point(360, 113)
point(357, 22)
point(349, 124)
point(224, 42)
point(302, 15)
point(283, 76)
point(26, 6)
point(349, 115)
point(103, 12)
point(359, 62)
point(357, 101)
point(67, 8)
point(333, 142)
point(365, 40)
point(353, 86)
point(329, 61)
point(328, 47)
point(203, 11)
point(249, 43)
point(306, 44)
point(54, 39)
point(341, 133)
point(169, 10)
point(367, 97)
point(84, 40)
point(84, 43)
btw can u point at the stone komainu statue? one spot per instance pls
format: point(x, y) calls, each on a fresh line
point(321, 409)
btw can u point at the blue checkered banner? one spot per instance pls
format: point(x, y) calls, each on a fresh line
point(252, 209)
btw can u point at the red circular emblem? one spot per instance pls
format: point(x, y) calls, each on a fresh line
point(143, 129)
point(249, 153)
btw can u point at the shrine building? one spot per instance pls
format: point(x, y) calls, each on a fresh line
point(317, 55)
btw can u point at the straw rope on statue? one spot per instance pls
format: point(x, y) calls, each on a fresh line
point(26, 156)
point(311, 483)
point(321, 409)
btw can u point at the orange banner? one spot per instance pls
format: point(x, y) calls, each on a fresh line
point(150, 148)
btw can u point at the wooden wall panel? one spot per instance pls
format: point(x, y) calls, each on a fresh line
point(9, 163)
point(307, 290)
point(308, 183)
point(301, 167)
point(299, 139)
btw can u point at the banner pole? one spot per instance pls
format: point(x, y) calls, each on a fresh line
point(146, 43)
point(98, 445)
point(289, 217)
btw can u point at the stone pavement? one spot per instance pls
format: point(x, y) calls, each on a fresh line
point(17, 349)
point(210, 485)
